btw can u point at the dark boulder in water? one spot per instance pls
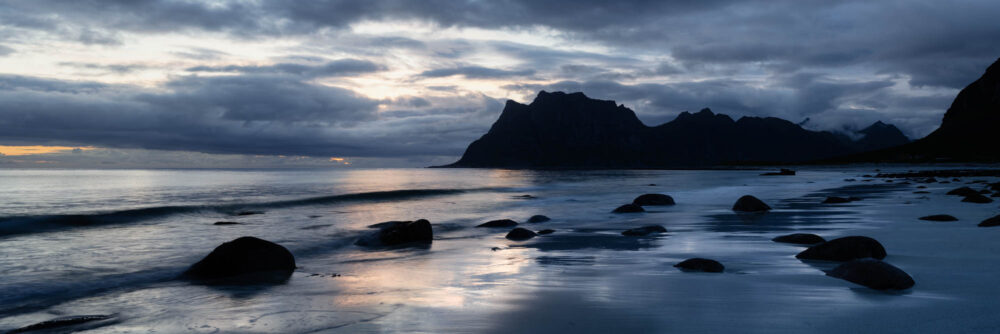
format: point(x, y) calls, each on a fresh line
point(836, 200)
point(874, 274)
point(245, 260)
point(939, 218)
point(546, 231)
point(844, 249)
point(990, 222)
point(398, 232)
point(520, 234)
point(700, 264)
point(628, 208)
point(977, 198)
point(963, 191)
point(749, 203)
point(538, 219)
point(63, 324)
point(226, 223)
point(645, 230)
point(248, 213)
point(800, 238)
point(653, 199)
point(783, 171)
point(498, 223)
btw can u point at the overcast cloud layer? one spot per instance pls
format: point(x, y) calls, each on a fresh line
point(413, 82)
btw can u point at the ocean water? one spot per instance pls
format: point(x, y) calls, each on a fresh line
point(77, 242)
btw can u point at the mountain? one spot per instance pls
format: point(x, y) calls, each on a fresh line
point(879, 136)
point(967, 132)
point(559, 130)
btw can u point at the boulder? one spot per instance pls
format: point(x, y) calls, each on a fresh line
point(963, 191)
point(398, 232)
point(874, 274)
point(990, 222)
point(653, 199)
point(836, 200)
point(628, 208)
point(800, 238)
point(844, 249)
point(246, 259)
point(248, 213)
point(498, 223)
point(700, 264)
point(520, 234)
point(645, 230)
point(977, 198)
point(749, 203)
point(538, 219)
point(546, 231)
point(939, 218)
point(226, 223)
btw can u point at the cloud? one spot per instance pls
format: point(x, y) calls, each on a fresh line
point(475, 72)
point(4, 50)
point(340, 67)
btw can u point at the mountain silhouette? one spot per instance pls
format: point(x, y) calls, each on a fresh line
point(967, 132)
point(560, 130)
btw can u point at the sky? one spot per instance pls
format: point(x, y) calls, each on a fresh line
point(396, 83)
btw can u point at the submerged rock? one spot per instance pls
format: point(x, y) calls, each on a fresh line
point(839, 200)
point(498, 223)
point(939, 218)
point(963, 191)
point(645, 230)
point(520, 234)
point(800, 238)
point(246, 259)
point(700, 264)
point(977, 198)
point(653, 199)
point(990, 222)
point(844, 249)
point(538, 219)
point(783, 171)
point(546, 231)
point(226, 223)
point(398, 232)
point(749, 203)
point(248, 213)
point(91, 321)
point(874, 274)
point(629, 208)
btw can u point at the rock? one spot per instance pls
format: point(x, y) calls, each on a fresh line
point(874, 274)
point(700, 264)
point(525, 196)
point(520, 234)
point(990, 222)
point(939, 218)
point(629, 208)
point(782, 172)
point(749, 203)
point(538, 219)
point(800, 238)
point(844, 249)
point(996, 194)
point(963, 191)
point(836, 200)
point(984, 191)
point(546, 231)
point(645, 230)
point(498, 223)
point(226, 223)
point(246, 259)
point(977, 198)
point(921, 192)
point(67, 321)
point(921, 187)
point(653, 199)
point(398, 232)
point(995, 186)
point(247, 213)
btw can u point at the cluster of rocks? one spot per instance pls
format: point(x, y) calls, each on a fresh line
point(645, 200)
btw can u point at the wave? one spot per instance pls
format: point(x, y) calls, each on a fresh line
point(14, 225)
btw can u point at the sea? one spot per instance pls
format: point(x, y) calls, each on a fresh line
point(113, 242)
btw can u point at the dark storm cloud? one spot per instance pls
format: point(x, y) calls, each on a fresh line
point(475, 72)
point(243, 114)
point(341, 67)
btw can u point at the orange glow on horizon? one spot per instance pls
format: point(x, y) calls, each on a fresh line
point(37, 149)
